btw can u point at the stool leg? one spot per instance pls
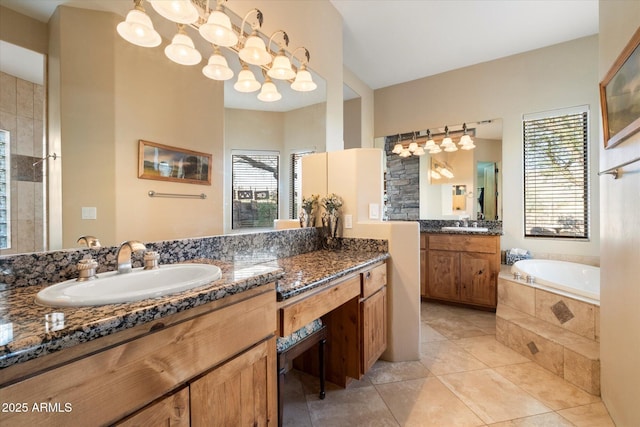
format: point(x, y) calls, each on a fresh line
point(280, 392)
point(322, 367)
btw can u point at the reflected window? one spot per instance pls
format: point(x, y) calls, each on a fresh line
point(295, 184)
point(254, 176)
point(556, 191)
point(5, 188)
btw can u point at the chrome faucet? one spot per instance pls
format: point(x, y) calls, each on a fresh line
point(89, 241)
point(123, 255)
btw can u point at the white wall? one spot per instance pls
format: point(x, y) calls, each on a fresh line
point(559, 76)
point(620, 241)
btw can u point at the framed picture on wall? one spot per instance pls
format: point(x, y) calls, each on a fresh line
point(620, 95)
point(166, 163)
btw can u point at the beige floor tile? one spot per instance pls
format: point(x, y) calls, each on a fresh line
point(360, 406)
point(295, 412)
point(387, 372)
point(550, 419)
point(429, 334)
point(548, 388)
point(491, 352)
point(426, 402)
point(491, 396)
point(455, 327)
point(445, 357)
point(593, 415)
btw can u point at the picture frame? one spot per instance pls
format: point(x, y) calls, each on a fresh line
point(619, 103)
point(166, 163)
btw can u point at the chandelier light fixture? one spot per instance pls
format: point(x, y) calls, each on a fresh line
point(216, 27)
point(428, 142)
point(440, 169)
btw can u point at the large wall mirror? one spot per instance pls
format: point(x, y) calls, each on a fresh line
point(464, 183)
point(297, 122)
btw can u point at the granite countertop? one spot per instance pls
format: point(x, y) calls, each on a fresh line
point(435, 227)
point(439, 230)
point(28, 330)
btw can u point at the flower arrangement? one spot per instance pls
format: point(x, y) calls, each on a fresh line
point(309, 204)
point(308, 215)
point(332, 203)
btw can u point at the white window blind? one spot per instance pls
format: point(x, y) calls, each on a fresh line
point(295, 184)
point(254, 177)
point(556, 191)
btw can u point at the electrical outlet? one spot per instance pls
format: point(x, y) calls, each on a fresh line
point(89, 213)
point(348, 221)
point(374, 211)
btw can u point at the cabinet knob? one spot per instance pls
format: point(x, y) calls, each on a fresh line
point(368, 275)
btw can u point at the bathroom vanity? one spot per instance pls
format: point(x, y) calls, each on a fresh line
point(460, 267)
point(200, 357)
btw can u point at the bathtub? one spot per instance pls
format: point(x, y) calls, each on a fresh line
point(570, 279)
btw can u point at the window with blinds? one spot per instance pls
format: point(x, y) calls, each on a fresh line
point(295, 184)
point(5, 188)
point(254, 177)
point(556, 189)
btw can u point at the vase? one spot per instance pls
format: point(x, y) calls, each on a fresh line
point(330, 222)
point(307, 219)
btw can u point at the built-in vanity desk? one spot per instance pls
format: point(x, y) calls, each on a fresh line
point(460, 266)
point(201, 357)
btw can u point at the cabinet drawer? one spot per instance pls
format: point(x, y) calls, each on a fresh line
point(373, 279)
point(449, 242)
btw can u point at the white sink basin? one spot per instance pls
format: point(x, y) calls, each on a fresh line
point(472, 229)
point(114, 288)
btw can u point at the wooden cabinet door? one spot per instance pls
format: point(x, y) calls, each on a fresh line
point(373, 314)
point(424, 272)
point(239, 393)
point(444, 271)
point(171, 411)
point(477, 279)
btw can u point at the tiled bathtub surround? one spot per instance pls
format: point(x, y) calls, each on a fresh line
point(557, 332)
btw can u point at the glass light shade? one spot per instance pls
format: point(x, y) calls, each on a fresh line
point(446, 142)
point(246, 81)
point(397, 149)
point(182, 51)
point(218, 30)
point(413, 147)
point(138, 29)
point(435, 175)
point(435, 150)
point(430, 144)
point(269, 92)
point(405, 153)
point(446, 173)
point(217, 68)
point(281, 68)
point(254, 51)
point(180, 11)
point(303, 81)
point(419, 151)
point(464, 140)
point(451, 148)
point(469, 146)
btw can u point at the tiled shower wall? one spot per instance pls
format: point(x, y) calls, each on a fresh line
point(22, 114)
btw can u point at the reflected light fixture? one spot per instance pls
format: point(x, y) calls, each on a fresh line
point(138, 29)
point(181, 50)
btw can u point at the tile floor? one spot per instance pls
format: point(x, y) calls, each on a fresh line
point(464, 378)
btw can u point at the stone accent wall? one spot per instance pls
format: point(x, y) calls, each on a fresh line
point(403, 185)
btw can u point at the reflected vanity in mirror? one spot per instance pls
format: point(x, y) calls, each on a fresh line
point(431, 181)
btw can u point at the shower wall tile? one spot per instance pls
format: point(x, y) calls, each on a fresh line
point(24, 98)
point(8, 90)
point(24, 136)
